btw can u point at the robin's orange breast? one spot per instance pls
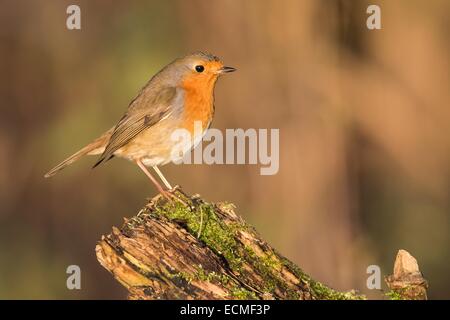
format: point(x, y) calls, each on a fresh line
point(198, 101)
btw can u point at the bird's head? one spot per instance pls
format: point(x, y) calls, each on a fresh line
point(200, 70)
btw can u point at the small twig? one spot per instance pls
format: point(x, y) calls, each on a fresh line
point(201, 223)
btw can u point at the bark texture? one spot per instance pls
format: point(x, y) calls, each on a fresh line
point(407, 282)
point(191, 249)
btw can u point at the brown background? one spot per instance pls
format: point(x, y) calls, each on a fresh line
point(363, 118)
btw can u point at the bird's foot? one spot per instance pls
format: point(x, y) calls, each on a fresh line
point(170, 195)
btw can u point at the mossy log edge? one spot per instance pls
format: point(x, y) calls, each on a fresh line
point(192, 249)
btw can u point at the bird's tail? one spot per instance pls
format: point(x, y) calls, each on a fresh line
point(95, 147)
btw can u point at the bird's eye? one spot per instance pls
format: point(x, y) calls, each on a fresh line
point(199, 68)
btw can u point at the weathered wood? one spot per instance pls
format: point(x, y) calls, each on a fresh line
point(407, 281)
point(171, 250)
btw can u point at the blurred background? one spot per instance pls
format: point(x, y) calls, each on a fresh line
point(364, 119)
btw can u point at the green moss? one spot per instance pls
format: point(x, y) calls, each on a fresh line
point(181, 275)
point(408, 292)
point(265, 265)
point(220, 237)
point(240, 293)
point(202, 222)
point(237, 292)
point(203, 275)
point(323, 292)
point(394, 295)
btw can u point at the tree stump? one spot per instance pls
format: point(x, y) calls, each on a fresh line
point(192, 249)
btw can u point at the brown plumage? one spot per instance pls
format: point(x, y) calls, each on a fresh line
point(176, 97)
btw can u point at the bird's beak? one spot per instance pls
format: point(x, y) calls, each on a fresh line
point(226, 70)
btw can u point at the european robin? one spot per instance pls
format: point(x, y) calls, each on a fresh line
point(176, 97)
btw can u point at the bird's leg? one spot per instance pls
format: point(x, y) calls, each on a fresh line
point(155, 182)
point(168, 186)
point(169, 196)
point(163, 179)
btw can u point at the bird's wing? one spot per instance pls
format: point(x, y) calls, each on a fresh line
point(143, 112)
